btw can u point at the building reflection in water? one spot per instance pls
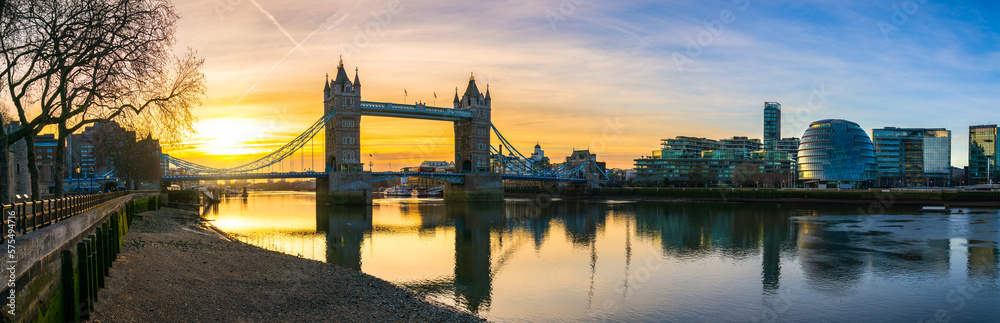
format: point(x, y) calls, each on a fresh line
point(474, 223)
point(984, 259)
point(738, 231)
point(346, 228)
point(834, 247)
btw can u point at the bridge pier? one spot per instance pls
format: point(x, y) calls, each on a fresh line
point(476, 187)
point(345, 188)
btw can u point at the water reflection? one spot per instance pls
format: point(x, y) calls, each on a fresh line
point(735, 231)
point(346, 228)
point(473, 225)
point(514, 260)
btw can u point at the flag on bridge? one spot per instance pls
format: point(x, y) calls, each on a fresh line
point(435, 95)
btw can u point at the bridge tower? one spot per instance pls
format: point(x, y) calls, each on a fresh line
point(343, 132)
point(472, 136)
point(472, 148)
point(348, 183)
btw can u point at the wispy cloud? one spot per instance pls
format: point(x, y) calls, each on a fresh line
point(276, 23)
point(558, 85)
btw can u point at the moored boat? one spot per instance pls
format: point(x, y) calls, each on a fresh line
point(398, 191)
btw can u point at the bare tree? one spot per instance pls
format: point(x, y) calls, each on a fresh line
point(160, 105)
point(135, 161)
point(4, 160)
point(4, 146)
point(25, 76)
point(81, 61)
point(700, 176)
point(747, 174)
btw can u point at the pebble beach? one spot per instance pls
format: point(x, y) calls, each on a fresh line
point(175, 267)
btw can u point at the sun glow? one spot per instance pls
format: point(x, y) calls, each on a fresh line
point(231, 137)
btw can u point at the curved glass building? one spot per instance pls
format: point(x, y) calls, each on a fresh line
point(836, 152)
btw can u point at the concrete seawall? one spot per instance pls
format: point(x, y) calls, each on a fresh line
point(58, 269)
point(749, 195)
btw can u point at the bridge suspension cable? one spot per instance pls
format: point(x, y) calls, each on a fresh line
point(275, 157)
point(521, 164)
point(515, 162)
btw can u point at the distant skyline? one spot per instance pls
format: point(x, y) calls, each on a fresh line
point(571, 73)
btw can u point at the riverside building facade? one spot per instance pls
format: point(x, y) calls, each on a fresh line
point(701, 162)
point(772, 125)
point(983, 154)
point(913, 157)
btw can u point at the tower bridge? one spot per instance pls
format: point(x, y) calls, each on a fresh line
point(344, 180)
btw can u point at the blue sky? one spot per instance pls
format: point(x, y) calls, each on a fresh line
point(605, 75)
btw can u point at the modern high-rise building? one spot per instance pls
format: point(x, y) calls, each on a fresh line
point(983, 154)
point(743, 146)
point(789, 145)
point(772, 125)
point(690, 161)
point(913, 157)
point(689, 146)
point(837, 152)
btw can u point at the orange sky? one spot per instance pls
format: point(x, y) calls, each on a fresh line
point(545, 89)
point(567, 74)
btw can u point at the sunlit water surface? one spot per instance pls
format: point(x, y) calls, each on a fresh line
point(577, 260)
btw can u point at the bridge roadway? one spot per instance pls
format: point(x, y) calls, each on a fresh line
point(377, 176)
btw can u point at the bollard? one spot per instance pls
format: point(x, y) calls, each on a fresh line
point(68, 287)
point(130, 216)
point(122, 223)
point(99, 257)
point(116, 237)
point(107, 248)
point(83, 307)
point(112, 243)
point(92, 264)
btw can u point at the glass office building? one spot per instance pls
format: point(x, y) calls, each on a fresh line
point(982, 154)
point(838, 153)
point(913, 157)
point(772, 125)
point(701, 162)
point(789, 145)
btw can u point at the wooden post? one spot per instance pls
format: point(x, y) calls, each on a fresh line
point(83, 277)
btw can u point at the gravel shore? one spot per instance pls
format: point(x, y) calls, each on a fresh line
point(175, 268)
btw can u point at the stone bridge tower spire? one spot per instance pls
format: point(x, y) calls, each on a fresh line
point(472, 149)
point(472, 136)
point(348, 182)
point(343, 132)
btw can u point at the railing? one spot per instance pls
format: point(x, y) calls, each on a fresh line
point(34, 215)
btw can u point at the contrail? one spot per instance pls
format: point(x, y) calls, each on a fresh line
point(289, 53)
point(275, 21)
point(272, 68)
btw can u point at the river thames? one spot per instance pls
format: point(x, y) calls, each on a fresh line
point(521, 260)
